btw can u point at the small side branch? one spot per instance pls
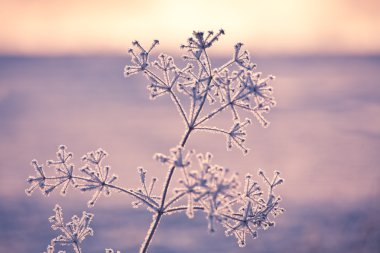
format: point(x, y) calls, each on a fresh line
point(135, 195)
point(182, 208)
point(174, 199)
point(213, 130)
point(179, 107)
point(211, 114)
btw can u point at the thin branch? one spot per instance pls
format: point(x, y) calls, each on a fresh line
point(174, 97)
point(179, 106)
point(211, 114)
point(208, 62)
point(226, 65)
point(148, 72)
point(174, 199)
point(192, 124)
point(133, 194)
point(182, 208)
point(212, 129)
point(160, 210)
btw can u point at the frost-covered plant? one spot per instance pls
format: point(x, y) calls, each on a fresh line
point(216, 191)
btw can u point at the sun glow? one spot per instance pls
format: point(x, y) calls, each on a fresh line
point(293, 26)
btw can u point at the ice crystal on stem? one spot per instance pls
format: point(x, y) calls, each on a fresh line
point(200, 91)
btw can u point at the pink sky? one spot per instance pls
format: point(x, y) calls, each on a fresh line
point(292, 26)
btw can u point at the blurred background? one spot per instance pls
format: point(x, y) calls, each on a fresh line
point(61, 82)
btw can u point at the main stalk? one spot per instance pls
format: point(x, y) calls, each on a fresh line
point(157, 217)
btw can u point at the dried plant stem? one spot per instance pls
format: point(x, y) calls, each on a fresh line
point(150, 233)
point(190, 128)
point(211, 189)
point(161, 210)
point(77, 248)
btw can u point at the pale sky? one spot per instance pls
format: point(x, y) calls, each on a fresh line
point(272, 26)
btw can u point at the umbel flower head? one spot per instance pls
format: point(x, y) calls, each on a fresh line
point(215, 190)
point(234, 86)
point(73, 232)
point(96, 177)
point(177, 158)
point(255, 210)
point(64, 171)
